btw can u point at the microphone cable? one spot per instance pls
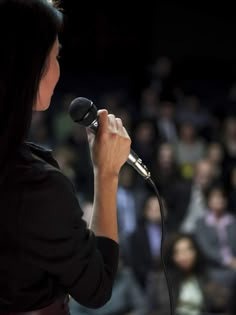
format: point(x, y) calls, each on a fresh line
point(151, 182)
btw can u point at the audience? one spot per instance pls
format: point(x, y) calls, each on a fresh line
point(188, 142)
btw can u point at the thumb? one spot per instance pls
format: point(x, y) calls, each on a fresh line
point(103, 120)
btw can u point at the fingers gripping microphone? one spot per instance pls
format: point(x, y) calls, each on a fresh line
point(84, 112)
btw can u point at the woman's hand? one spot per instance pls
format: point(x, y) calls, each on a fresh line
point(110, 147)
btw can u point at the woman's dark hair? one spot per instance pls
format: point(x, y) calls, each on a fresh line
point(216, 187)
point(177, 276)
point(200, 263)
point(28, 30)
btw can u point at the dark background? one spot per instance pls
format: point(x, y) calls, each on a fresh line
point(107, 46)
point(120, 38)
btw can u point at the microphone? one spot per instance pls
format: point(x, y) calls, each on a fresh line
point(84, 112)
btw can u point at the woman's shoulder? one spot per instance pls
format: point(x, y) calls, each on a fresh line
point(34, 165)
point(38, 153)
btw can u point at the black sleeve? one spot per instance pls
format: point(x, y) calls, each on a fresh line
point(55, 238)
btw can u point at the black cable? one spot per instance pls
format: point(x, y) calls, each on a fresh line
point(162, 244)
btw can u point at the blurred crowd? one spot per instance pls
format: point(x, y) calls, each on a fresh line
point(190, 149)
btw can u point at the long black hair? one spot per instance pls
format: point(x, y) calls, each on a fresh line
point(28, 30)
point(200, 262)
point(178, 276)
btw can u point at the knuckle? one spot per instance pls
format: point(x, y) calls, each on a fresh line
point(129, 140)
point(114, 134)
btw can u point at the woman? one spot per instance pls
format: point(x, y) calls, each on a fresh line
point(216, 235)
point(193, 293)
point(145, 242)
point(46, 250)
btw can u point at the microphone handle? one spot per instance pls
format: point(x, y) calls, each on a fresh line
point(135, 161)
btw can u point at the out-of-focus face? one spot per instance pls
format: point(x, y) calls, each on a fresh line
point(126, 177)
point(187, 132)
point(204, 174)
point(230, 127)
point(49, 79)
point(184, 255)
point(145, 132)
point(217, 202)
point(215, 152)
point(152, 210)
point(149, 96)
point(167, 110)
point(165, 155)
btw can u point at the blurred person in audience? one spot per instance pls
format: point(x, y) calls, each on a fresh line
point(149, 103)
point(78, 142)
point(112, 101)
point(145, 242)
point(204, 176)
point(165, 169)
point(213, 131)
point(190, 148)
point(192, 290)
point(192, 111)
point(171, 185)
point(215, 155)
point(161, 75)
point(166, 121)
point(126, 117)
point(127, 297)
point(216, 236)
point(66, 159)
point(129, 198)
point(229, 136)
point(145, 140)
point(62, 125)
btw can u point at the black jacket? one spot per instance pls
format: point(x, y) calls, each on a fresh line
point(45, 248)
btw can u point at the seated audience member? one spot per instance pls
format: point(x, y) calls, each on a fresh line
point(204, 177)
point(129, 198)
point(145, 241)
point(172, 187)
point(215, 155)
point(216, 236)
point(166, 121)
point(145, 139)
point(192, 290)
point(190, 148)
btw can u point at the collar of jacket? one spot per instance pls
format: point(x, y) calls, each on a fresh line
point(45, 154)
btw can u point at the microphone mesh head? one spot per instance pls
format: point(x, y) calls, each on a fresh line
point(83, 111)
